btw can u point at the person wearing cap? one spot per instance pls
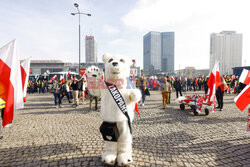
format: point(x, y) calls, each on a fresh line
point(2, 106)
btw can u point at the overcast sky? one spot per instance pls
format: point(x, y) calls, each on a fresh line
point(45, 29)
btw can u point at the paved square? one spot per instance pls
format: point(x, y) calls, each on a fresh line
point(42, 135)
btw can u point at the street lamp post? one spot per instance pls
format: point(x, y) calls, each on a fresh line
point(79, 13)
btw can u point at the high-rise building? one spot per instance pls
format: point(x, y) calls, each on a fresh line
point(158, 52)
point(167, 52)
point(90, 49)
point(226, 47)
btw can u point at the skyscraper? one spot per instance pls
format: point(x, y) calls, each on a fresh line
point(152, 51)
point(158, 52)
point(226, 47)
point(167, 52)
point(90, 49)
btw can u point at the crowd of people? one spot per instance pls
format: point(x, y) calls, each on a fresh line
point(37, 86)
point(76, 90)
point(229, 84)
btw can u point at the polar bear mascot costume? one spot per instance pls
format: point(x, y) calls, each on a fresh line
point(94, 76)
point(117, 110)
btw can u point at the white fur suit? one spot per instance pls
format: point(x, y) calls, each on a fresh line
point(117, 69)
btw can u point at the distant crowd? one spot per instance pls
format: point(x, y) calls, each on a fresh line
point(76, 89)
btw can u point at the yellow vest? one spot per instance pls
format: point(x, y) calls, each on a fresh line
point(2, 103)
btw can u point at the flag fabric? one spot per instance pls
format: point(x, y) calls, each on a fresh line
point(10, 81)
point(52, 79)
point(243, 99)
point(68, 75)
point(213, 82)
point(245, 77)
point(62, 79)
point(25, 67)
point(137, 110)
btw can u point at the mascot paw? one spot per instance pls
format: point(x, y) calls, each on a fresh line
point(109, 158)
point(135, 95)
point(124, 159)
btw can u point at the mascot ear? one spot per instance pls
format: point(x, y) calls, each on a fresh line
point(106, 57)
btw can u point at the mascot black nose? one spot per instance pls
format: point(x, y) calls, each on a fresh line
point(114, 63)
point(94, 75)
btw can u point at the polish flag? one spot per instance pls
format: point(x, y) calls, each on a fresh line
point(213, 82)
point(68, 75)
point(245, 77)
point(25, 67)
point(62, 79)
point(10, 81)
point(137, 110)
point(243, 99)
point(52, 79)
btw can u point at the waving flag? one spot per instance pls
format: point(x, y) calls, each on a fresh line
point(137, 110)
point(10, 81)
point(213, 82)
point(25, 67)
point(52, 79)
point(245, 77)
point(243, 99)
point(62, 79)
point(68, 75)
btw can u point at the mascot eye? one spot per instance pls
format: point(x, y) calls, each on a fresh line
point(122, 60)
point(110, 60)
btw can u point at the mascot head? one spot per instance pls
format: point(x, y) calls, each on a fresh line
point(116, 67)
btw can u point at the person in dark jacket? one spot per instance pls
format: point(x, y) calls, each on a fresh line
point(57, 91)
point(205, 85)
point(220, 94)
point(75, 87)
point(188, 85)
point(177, 86)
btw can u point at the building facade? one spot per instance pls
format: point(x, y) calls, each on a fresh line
point(90, 49)
point(167, 52)
point(158, 52)
point(226, 47)
point(38, 67)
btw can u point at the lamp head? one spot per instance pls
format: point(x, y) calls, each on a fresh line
point(73, 14)
point(76, 5)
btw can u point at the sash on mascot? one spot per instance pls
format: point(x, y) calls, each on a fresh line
point(115, 93)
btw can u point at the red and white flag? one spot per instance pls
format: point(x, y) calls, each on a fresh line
point(213, 82)
point(243, 99)
point(68, 75)
point(52, 79)
point(62, 79)
point(25, 67)
point(10, 81)
point(245, 77)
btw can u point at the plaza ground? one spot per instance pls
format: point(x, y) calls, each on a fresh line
point(42, 135)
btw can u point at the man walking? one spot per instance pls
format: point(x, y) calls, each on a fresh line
point(75, 86)
point(177, 86)
point(166, 89)
point(57, 93)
